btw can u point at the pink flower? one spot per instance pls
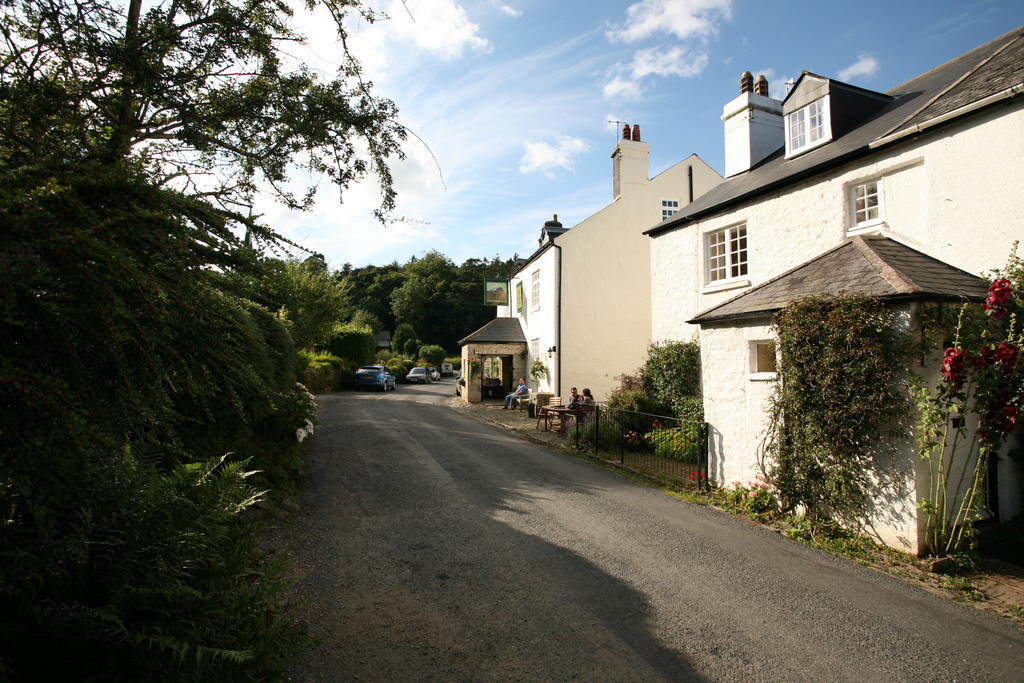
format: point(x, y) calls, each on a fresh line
point(953, 366)
point(752, 494)
point(999, 294)
point(1006, 356)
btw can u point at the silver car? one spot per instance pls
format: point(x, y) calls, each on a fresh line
point(418, 376)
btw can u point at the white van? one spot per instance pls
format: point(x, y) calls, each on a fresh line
point(446, 370)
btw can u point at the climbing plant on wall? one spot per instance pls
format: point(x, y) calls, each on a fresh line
point(838, 392)
point(982, 377)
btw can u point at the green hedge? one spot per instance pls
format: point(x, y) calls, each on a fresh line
point(354, 343)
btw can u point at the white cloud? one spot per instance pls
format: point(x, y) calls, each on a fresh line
point(440, 27)
point(674, 61)
point(541, 156)
point(622, 88)
point(511, 11)
point(865, 66)
point(681, 18)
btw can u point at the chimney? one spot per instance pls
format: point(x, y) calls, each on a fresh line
point(629, 161)
point(550, 231)
point(753, 125)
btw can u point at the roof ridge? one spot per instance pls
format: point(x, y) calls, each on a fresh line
point(900, 281)
point(958, 81)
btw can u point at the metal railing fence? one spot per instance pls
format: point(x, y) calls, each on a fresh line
point(665, 445)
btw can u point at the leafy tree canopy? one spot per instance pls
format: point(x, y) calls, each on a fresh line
point(196, 95)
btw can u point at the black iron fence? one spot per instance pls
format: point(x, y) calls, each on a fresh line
point(664, 445)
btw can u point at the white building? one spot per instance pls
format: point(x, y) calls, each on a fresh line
point(585, 307)
point(896, 192)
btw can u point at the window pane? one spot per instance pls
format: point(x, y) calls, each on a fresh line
point(764, 357)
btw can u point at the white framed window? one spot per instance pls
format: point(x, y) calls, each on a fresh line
point(763, 362)
point(808, 127)
point(865, 204)
point(535, 291)
point(668, 207)
point(726, 253)
point(535, 348)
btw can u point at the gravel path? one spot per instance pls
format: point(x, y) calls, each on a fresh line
point(431, 546)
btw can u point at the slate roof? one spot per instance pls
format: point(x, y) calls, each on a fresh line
point(498, 331)
point(869, 265)
point(982, 72)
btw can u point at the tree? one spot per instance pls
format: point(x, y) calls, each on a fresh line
point(131, 145)
point(191, 94)
point(403, 333)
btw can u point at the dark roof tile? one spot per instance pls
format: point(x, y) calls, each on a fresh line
point(498, 331)
point(868, 265)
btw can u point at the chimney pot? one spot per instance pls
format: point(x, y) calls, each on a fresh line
point(636, 132)
point(746, 82)
point(761, 86)
point(625, 131)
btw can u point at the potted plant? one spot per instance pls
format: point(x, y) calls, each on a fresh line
point(538, 371)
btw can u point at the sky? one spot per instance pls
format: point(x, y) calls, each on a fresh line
point(513, 103)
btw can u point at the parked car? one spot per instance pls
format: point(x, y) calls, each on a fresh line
point(434, 374)
point(418, 376)
point(374, 377)
point(446, 370)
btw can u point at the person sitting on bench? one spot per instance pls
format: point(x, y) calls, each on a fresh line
point(520, 392)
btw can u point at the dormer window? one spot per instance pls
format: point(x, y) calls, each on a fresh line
point(808, 127)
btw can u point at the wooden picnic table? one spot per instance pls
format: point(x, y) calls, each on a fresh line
point(549, 413)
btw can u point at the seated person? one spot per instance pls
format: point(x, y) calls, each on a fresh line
point(587, 398)
point(574, 398)
point(520, 392)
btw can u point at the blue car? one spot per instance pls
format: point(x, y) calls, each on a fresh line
point(375, 377)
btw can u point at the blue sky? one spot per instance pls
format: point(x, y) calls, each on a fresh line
point(513, 99)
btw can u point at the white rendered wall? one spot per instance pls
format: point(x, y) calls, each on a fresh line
point(953, 194)
point(606, 298)
point(540, 323)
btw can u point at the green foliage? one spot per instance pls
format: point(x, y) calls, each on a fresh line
point(758, 499)
point(355, 344)
point(411, 347)
point(400, 367)
point(982, 374)
point(137, 339)
point(363, 318)
point(539, 371)
point(680, 443)
point(672, 373)
point(842, 361)
point(319, 370)
point(432, 354)
point(314, 302)
point(403, 334)
point(159, 92)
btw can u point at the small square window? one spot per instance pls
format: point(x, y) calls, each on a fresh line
point(726, 253)
point(669, 207)
point(762, 357)
point(865, 203)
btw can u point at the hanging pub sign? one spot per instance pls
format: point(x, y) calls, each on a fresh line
point(495, 292)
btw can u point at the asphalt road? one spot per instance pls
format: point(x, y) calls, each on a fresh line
point(431, 546)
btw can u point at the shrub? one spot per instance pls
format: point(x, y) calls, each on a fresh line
point(357, 344)
point(672, 373)
point(410, 347)
point(758, 499)
point(400, 367)
point(432, 354)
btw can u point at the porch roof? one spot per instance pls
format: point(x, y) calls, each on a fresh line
point(498, 331)
point(870, 265)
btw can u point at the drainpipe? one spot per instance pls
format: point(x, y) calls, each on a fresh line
point(558, 324)
point(689, 180)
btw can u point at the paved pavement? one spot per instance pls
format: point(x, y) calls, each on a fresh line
point(433, 546)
